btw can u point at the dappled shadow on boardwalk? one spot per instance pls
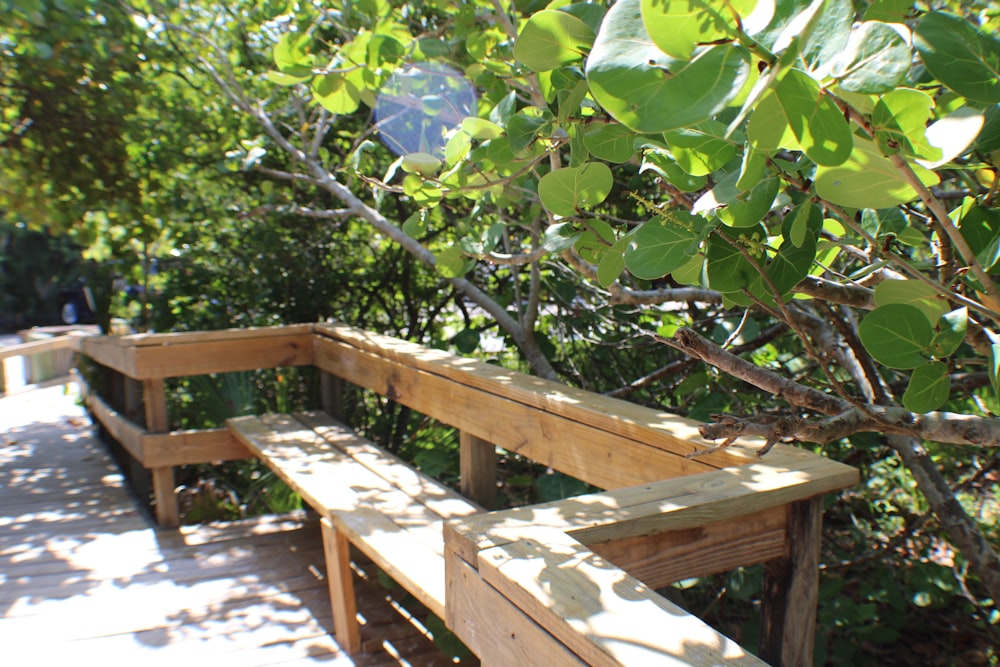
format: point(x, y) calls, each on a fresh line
point(85, 576)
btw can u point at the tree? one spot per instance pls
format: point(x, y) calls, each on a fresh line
point(824, 176)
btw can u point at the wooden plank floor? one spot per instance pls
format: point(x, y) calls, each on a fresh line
point(85, 578)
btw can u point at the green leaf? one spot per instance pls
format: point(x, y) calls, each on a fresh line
point(566, 191)
point(424, 193)
point(791, 264)
point(287, 79)
point(914, 293)
point(551, 39)
point(980, 226)
point(291, 53)
point(752, 168)
point(951, 330)
point(900, 118)
point(959, 56)
point(611, 142)
point(897, 335)
point(660, 162)
point(818, 124)
point(466, 341)
point(829, 34)
point(337, 93)
point(660, 247)
point(727, 268)
point(928, 388)
point(953, 135)
point(701, 149)
point(612, 264)
point(647, 90)
point(875, 60)
point(451, 262)
point(868, 180)
point(595, 241)
point(420, 163)
point(768, 129)
point(559, 237)
point(481, 129)
point(735, 207)
point(890, 11)
point(994, 369)
point(678, 26)
point(522, 129)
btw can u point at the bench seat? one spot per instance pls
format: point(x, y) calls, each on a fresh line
point(366, 497)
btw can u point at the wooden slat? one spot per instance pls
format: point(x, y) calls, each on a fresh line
point(188, 337)
point(656, 428)
point(652, 508)
point(445, 502)
point(179, 448)
point(601, 613)
point(601, 458)
point(493, 628)
point(662, 559)
point(125, 432)
point(222, 356)
point(110, 351)
point(36, 347)
point(341, 587)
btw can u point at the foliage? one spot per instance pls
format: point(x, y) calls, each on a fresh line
point(776, 217)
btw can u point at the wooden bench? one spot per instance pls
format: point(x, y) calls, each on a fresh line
point(365, 497)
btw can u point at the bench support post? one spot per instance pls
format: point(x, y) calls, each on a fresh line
point(791, 590)
point(478, 469)
point(154, 399)
point(331, 390)
point(338, 574)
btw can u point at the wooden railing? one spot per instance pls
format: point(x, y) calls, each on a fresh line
point(665, 515)
point(57, 348)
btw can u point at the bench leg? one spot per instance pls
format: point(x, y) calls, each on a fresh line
point(791, 590)
point(338, 574)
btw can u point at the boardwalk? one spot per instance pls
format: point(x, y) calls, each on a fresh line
point(85, 577)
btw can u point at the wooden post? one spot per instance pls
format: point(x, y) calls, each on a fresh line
point(478, 469)
point(791, 590)
point(339, 576)
point(164, 494)
point(331, 389)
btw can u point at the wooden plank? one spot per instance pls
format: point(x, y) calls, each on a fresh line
point(648, 509)
point(791, 590)
point(601, 458)
point(110, 351)
point(236, 334)
point(36, 347)
point(478, 469)
point(222, 356)
point(409, 561)
point(125, 432)
point(179, 448)
point(665, 558)
point(428, 491)
point(493, 628)
point(601, 613)
point(660, 429)
point(341, 585)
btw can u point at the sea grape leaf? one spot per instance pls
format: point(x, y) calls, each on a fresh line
point(567, 190)
point(647, 90)
point(959, 56)
point(551, 39)
point(928, 389)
